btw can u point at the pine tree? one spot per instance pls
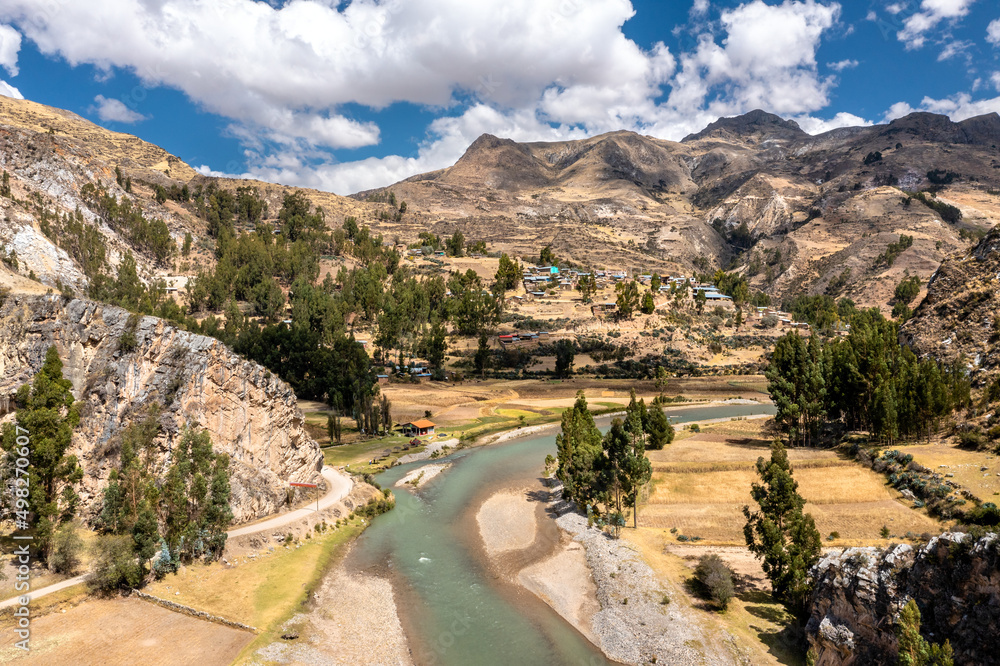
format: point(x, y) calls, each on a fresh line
point(46, 417)
point(779, 534)
point(508, 274)
point(616, 445)
point(635, 466)
point(913, 649)
point(628, 298)
point(579, 452)
point(648, 305)
point(660, 430)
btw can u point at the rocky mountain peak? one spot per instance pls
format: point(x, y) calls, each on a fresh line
point(757, 124)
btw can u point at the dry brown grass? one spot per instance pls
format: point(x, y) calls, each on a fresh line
point(965, 465)
point(123, 632)
point(701, 483)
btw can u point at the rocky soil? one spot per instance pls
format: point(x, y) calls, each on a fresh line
point(958, 318)
point(250, 414)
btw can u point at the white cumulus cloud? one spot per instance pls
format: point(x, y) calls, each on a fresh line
point(957, 107)
point(10, 47)
point(993, 32)
point(932, 13)
point(8, 90)
point(115, 111)
point(290, 76)
point(841, 65)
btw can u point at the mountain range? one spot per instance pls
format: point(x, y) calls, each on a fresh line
point(793, 212)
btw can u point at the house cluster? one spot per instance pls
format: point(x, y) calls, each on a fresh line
point(785, 319)
point(522, 339)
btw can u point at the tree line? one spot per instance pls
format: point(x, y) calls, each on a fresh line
point(866, 381)
point(609, 470)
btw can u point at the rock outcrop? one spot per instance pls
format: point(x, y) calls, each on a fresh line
point(860, 592)
point(958, 318)
point(250, 413)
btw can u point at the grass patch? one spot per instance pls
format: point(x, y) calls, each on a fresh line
point(263, 592)
point(362, 452)
point(50, 603)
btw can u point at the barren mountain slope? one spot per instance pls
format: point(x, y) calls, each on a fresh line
point(733, 195)
point(960, 317)
point(793, 212)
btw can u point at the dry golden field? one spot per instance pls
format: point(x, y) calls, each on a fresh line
point(113, 632)
point(967, 467)
point(700, 484)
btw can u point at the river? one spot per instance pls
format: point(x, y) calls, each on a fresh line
point(455, 607)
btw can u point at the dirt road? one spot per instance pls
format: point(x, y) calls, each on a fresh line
point(340, 486)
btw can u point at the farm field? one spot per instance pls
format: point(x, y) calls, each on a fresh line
point(701, 482)
point(113, 632)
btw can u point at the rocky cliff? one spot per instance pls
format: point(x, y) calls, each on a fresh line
point(251, 414)
point(860, 592)
point(960, 317)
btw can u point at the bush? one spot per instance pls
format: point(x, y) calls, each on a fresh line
point(67, 547)
point(115, 565)
point(971, 438)
point(716, 579)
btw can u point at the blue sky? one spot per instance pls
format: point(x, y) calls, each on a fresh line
point(349, 95)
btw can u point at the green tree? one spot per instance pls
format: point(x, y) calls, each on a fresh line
point(114, 565)
point(634, 468)
point(546, 257)
point(648, 305)
point(700, 299)
point(42, 433)
point(659, 428)
point(67, 549)
point(565, 353)
point(628, 298)
point(456, 244)
point(716, 579)
point(662, 379)
point(508, 274)
point(579, 454)
point(587, 286)
point(907, 290)
point(914, 650)
point(779, 534)
point(484, 355)
point(614, 476)
point(797, 384)
point(655, 283)
point(435, 344)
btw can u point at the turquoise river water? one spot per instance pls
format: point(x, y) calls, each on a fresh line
point(455, 607)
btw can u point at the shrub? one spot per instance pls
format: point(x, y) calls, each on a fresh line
point(67, 547)
point(127, 342)
point(971, 438)
point(716, 579)
point(115, 565)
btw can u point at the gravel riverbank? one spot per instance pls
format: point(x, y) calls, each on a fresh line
point(634, 625)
